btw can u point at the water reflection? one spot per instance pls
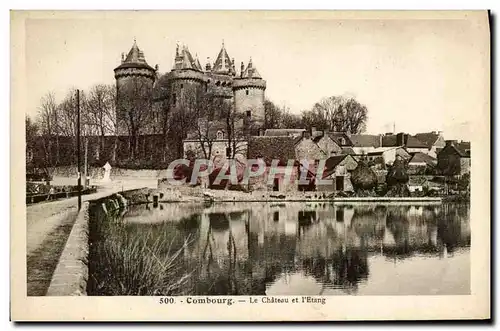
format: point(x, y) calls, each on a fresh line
point(299, 248)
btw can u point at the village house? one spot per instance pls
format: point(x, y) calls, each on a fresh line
point(421, 163)
point(316, 145)
point(338, 168)
point(454, 158)
point(280, 150)
point(433, 140)
point(388, 154)
point(213, 144)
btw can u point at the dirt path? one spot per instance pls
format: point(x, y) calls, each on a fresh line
point(48, 227)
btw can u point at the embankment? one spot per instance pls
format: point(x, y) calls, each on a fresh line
point(72, 272)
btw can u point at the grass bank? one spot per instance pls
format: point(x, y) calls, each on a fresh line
point(121, 262)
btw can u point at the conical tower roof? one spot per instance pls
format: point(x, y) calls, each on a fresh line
point(251, 71)
point(184, 60)
point(223, 63)
point(135, 59)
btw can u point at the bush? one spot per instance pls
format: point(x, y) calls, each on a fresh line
point(363, 177)
point(125, 263)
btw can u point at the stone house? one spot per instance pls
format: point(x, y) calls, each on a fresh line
point(316, 145)
point(279, 150)
point(454, 158)
point(338, 168)
point(433, 140)
point(213, 144)
point(420, 163)
point(388, 154)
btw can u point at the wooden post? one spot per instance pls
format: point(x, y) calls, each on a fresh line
point(79, 182)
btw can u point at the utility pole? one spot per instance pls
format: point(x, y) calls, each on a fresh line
point(79, 183)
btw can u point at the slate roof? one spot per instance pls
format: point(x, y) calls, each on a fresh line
point(336, 136)
point(332, 162)
point(428, 138)
point(412, 142)
point(415, 143)
point(271, 148)
point(348, 151)
point(223, 64)
point(365, 140)
point(422, 157)
point(135, 59)
point(251, 72)
point(283, 132)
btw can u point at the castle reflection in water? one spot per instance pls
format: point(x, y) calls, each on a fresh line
point(315, 248)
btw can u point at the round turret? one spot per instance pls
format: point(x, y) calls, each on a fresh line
point(134, 86)
point(249, 95)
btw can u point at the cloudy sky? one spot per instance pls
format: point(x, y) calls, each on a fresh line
point(415, 74)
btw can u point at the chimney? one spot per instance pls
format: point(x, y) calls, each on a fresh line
point(208, 67)
point(261, 132)
point(380, 140)
point(242, 68)
point(306, 134)
point(400, 139)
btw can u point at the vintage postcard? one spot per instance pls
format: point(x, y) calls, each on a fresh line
point(250, 165)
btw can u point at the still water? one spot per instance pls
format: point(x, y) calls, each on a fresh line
point(315, 248)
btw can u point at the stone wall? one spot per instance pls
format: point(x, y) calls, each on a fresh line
point(71, 274)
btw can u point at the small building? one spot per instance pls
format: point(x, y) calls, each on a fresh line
point(421, 163)
point(338, 168)
point(316, 145)
point(388, 154)
point(433, 140)
point(281, 151)
point(454, 158)
point(417, 183)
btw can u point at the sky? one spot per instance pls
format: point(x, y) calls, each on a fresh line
point(414, 75)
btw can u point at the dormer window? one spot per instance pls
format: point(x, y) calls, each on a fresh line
point(342, 141)
point(220, 135)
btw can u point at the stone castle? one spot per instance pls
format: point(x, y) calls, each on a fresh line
point(154, 95)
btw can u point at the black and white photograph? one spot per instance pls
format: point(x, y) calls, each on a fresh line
point(239, 157)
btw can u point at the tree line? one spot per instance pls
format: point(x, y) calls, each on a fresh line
point(335, 113)
point(197, 113)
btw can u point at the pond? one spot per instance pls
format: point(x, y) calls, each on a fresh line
point(309, 248)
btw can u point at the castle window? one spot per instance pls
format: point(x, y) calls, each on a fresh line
point(247, 92)
point(217, 83)
point(182, 85)
point(249, 113)
point(174, 99)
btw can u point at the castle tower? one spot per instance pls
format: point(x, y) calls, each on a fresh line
point(186, 81)
point(220, 76)
point(249, 95)
point(134, 87)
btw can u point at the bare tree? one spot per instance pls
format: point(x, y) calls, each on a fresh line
point(272, 115)
point(134, 105)
point(343, 114)
point(49, 128)
point(101, 114)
